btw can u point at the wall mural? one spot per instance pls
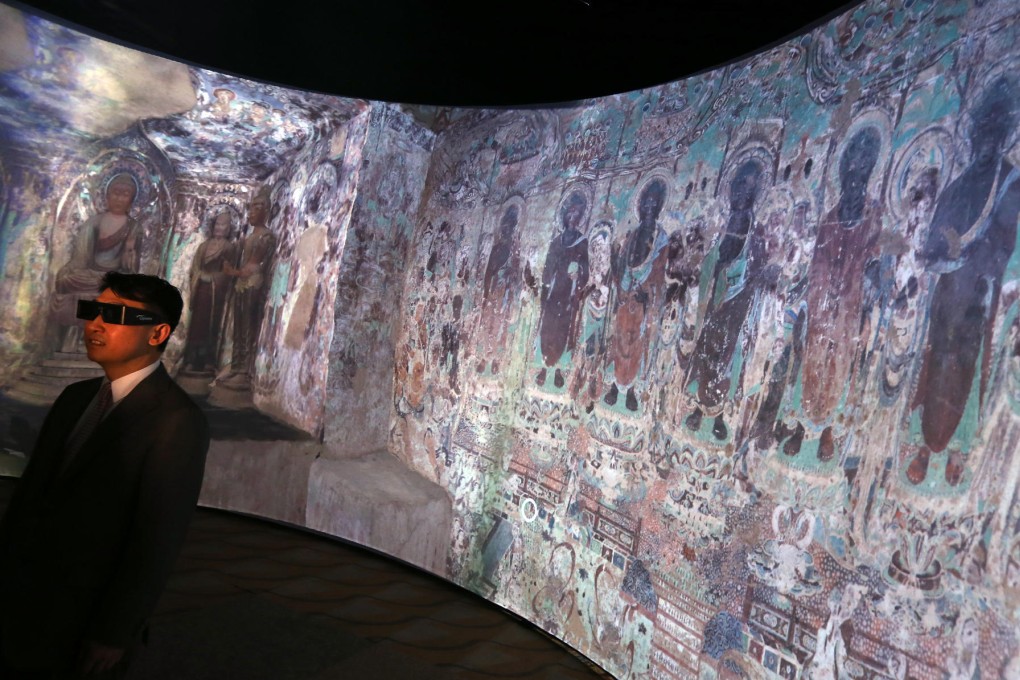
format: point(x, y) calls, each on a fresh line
point(369, 287)
point(721, 375)
point(229, 188)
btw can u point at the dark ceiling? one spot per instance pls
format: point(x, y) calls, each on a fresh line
point(452, 52)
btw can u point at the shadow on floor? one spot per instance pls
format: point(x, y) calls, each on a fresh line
point(252, 600)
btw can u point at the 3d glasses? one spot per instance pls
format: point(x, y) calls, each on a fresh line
point(118, 314)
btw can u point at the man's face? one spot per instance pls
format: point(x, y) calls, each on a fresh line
point(119, 196)
point(258, 211)
point(121, 349)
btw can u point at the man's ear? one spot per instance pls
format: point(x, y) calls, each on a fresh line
point(160, 332)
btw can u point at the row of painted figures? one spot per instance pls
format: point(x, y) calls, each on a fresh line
point(222, 270)
point(619, 325)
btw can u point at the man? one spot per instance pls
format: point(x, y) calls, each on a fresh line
point(100, 514)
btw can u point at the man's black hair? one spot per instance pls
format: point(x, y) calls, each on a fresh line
point(156, 294)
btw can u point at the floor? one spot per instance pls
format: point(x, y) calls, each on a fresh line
point(253, 600)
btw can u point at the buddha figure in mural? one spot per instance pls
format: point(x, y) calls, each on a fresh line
point(210, 287)
point(739, 273)
point(251, 287)
point(107, 241)
point(970, 243)
point(639, 273)
point(500, 285)
point(847, 241)
point(564, 280)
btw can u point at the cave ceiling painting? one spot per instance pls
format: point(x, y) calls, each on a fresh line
point(61, 83)
point(242, 130)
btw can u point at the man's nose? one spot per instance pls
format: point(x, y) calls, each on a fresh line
point(95, 323)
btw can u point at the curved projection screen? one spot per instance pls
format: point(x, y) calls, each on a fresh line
point(716, 379)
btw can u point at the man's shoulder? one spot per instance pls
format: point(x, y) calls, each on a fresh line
point(186, 405)
point(75, 396)
point(172, 412)
point(81, 388)
point(184, 400)
point(161, 388)
point(174, 393)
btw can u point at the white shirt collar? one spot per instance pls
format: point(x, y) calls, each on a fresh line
point(122, 386)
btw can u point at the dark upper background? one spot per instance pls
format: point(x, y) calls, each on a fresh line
point(452, 52)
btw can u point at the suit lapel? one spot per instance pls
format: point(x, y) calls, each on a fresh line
point(145, 397)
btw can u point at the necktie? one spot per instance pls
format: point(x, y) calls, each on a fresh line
point(91, 418)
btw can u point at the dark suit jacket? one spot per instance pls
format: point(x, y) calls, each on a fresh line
point(85, 553)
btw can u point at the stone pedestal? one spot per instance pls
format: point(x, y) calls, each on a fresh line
point(373, 499)
point(12, 463)
point(43, 383)
point(195, 384)
point(264, 478)
point(377, 501)
point(232, 392)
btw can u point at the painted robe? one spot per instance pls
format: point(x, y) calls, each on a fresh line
point(963, 308)
point(834, 297)
point(250, 297)
point(717, 359)
point(209, 289)
point(564, 277)
point(639, 292)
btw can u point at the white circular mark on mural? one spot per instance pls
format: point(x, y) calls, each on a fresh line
point(529, 510)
